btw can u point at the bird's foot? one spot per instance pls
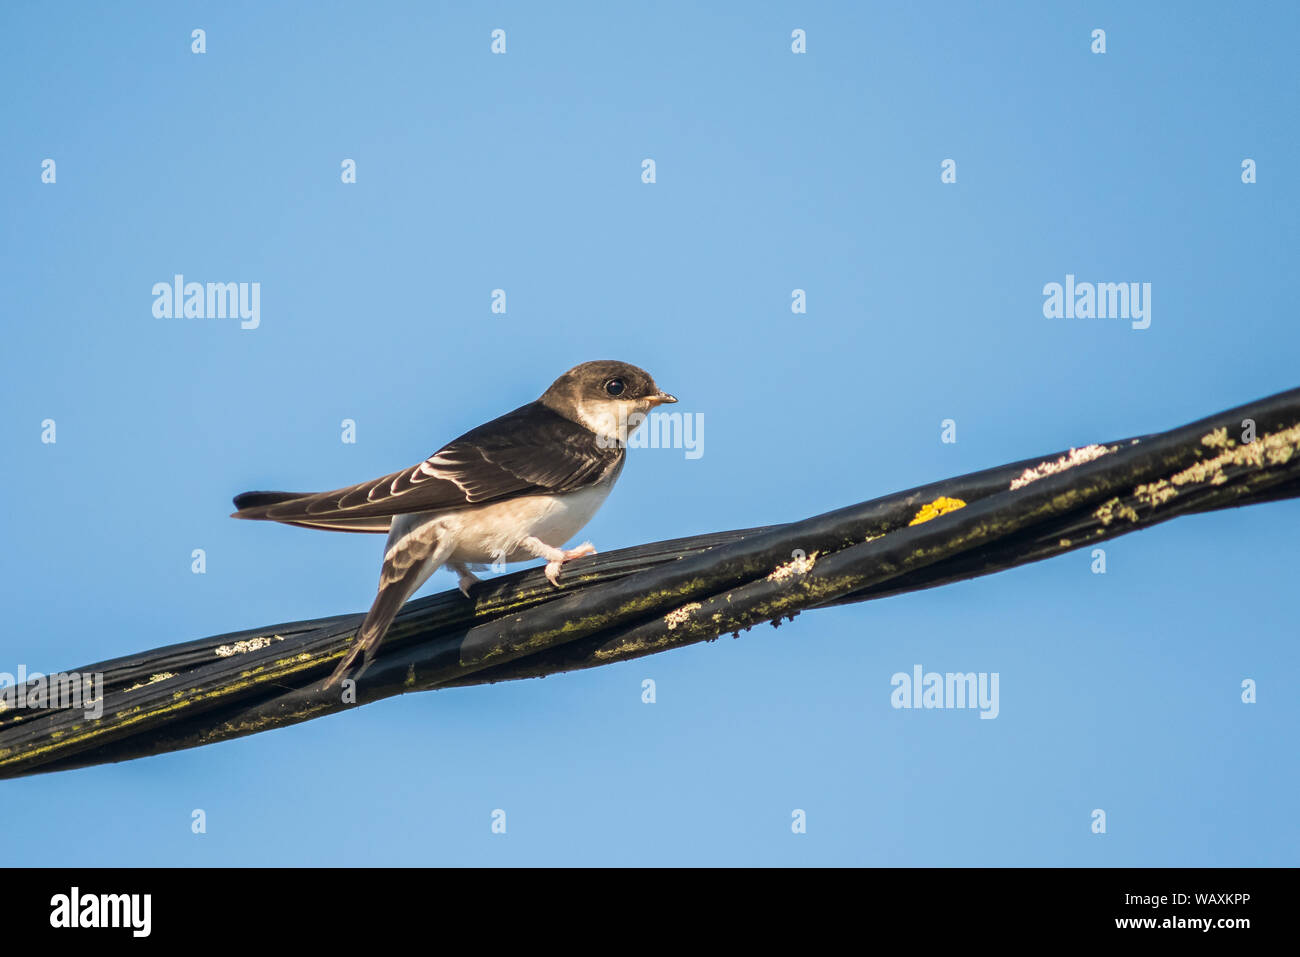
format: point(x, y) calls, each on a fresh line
point(465, 581)
point(553, 566)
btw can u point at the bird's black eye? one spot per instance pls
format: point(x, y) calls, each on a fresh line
point(615, 387)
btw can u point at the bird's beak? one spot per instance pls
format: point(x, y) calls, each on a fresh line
point(662, 398)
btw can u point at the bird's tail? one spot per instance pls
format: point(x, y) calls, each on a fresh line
point(258, 499)
point(408, 564)
point(387, 604)
point(297, 510)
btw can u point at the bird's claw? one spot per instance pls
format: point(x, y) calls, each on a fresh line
point(553, 567)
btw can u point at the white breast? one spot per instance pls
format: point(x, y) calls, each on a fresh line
point(483, 534)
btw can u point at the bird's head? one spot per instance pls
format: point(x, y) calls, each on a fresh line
point(610, 398)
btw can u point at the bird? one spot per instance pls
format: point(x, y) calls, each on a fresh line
point(514, 488)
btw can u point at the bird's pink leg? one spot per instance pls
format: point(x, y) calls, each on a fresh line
point(465, 579)
point(555, 557)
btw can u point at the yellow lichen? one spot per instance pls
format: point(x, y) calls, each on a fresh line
point(1218, 439)
point(1157, 493)
point(1274, 449)
point(1112, 510)
point(125, 718)
point(939, 506)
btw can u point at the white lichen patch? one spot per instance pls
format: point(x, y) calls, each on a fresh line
point(153, 679)
point(798, 566)
point(244, 647)
point(679, 616)
point(1068, 461)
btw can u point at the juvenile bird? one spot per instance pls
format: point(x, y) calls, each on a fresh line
point(517, 487)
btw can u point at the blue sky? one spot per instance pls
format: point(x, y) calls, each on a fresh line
point(774, 172)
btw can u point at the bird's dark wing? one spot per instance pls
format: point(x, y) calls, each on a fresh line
point(529, 451)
